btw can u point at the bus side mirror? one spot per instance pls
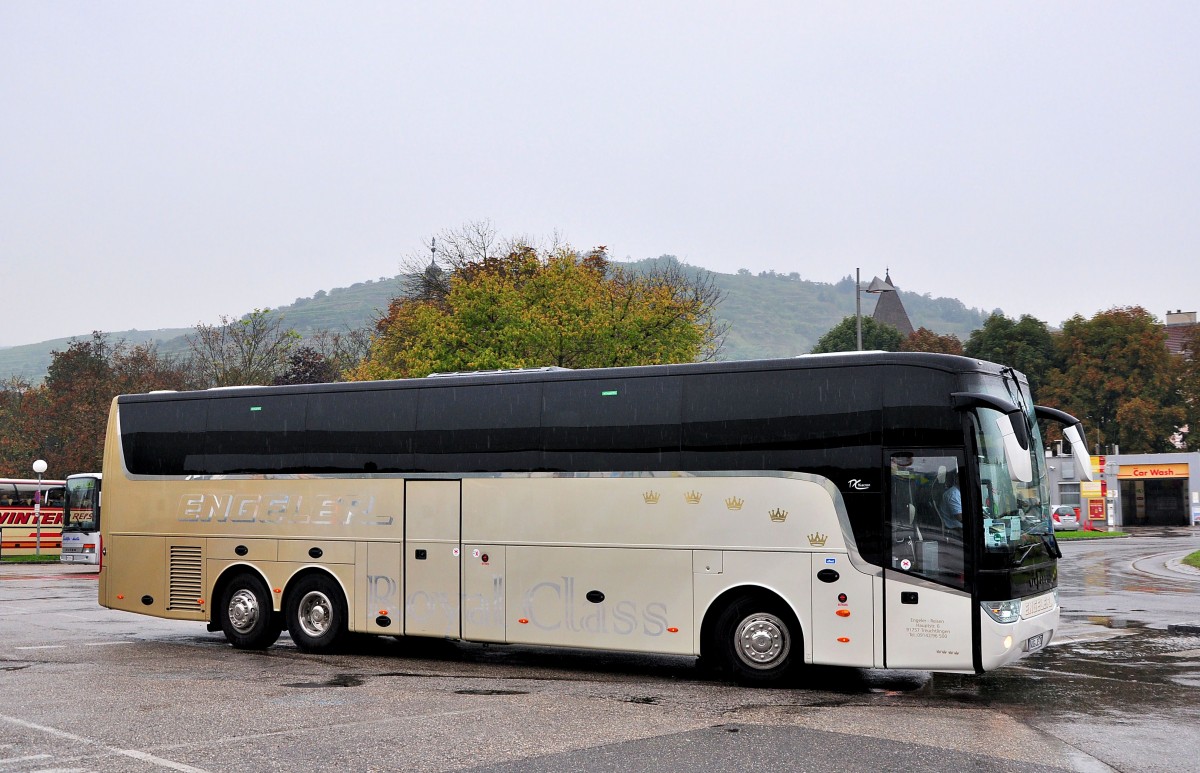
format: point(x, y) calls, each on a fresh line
point(1016, 446)
point(1073, 432)
point(1013, 430)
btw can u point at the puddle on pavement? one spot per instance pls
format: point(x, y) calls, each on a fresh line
point(1149, 673)
point(341, 680)
point(490, 692)
point(1119, 623)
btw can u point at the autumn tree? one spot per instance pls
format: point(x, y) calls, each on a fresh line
point(237, 352)
point(843, 337)
point(63, 419)
point(1188, 368)
point(1118, 377)
point(925, 340)
point(306, 365)
point(526, 307)
point(1025, 344)
point(22, 407)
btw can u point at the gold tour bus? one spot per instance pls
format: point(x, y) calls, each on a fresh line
point(873, 510)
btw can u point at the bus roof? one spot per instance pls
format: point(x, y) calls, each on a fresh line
point(944, 362)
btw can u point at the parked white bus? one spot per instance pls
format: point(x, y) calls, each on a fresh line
point(762, 514)
point(81, 519)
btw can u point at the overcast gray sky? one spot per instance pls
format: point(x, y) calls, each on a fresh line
point(162, 164)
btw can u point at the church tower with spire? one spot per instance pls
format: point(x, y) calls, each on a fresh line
point(889, 310)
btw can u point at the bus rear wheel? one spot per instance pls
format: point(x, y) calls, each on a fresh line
point(246, 616)
point(758, 641)
point(316, 614)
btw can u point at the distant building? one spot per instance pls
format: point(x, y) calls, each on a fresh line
point(1138, 490)
point(1180, 326)
point(890, 310)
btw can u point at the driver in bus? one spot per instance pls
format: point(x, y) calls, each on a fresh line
point(951, 508)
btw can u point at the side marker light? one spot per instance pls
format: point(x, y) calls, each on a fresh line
point(843, 613)
point(523, 621)
point(120, 596)
point(672, 630)
point(844, 640)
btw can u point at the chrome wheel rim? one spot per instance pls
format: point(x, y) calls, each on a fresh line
point(315, 614)
point(244, 611)
point(762, 641)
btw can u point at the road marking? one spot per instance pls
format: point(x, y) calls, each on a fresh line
point(133, 753)
point(7, 760)
point(105, 643)
point(43, 647)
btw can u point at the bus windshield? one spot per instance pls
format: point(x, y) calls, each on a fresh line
point(1015, 513)
point(81, 505)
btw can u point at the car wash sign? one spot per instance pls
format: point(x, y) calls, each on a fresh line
point(1152, 471)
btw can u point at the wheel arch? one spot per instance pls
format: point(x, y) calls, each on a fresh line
point(315, 571)
point(226, 576)
point(731, 595)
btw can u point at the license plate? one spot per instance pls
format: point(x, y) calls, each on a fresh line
point(1035, 642)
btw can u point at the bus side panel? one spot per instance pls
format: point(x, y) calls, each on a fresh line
point(787, 575)
point(432, 558)
point(161, 576)
point(636, 599)
point(927, 626)
point(483, 593)
point(378, 575)
point(134, 567)
point(843, 621)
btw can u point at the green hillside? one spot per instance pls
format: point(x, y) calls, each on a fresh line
point(768, 315)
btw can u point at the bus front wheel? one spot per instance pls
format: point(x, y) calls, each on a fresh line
point(758, 641)
point(316, 614)
point(247, 619)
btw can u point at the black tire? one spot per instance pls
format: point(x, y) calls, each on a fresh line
point(316, 614)
point(758, 641)
point(245, 613)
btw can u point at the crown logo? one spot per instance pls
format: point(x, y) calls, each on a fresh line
point(651, 497)
point(778, 515)
point(817, 540)
point(692, 497)
point(734, 503)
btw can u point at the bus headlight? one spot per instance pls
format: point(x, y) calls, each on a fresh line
point(1003, 611)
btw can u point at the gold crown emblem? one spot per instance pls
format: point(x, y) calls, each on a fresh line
point(734, 503)
point(651, 497)
point(692, 497)
point(778, 515)
point(817, 540)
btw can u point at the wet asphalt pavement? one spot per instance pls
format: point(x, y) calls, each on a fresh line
point(88, 689)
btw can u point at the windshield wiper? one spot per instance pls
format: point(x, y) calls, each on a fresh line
point(1045, 539)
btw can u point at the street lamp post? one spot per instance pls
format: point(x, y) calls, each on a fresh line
point(858, 306)
point(39, 467)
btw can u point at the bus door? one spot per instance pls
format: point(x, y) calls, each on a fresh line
point(432, 558)
point(927, 606)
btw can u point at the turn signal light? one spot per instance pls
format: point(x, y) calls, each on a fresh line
point(844, 640)
point(843, 613)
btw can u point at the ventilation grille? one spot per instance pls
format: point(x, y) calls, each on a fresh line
point(185, 578)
